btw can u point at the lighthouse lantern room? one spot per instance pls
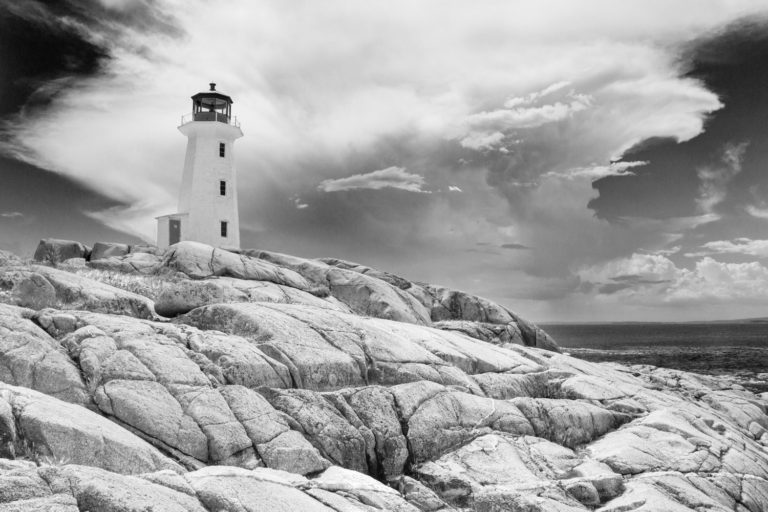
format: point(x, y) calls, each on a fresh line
point(208, 195)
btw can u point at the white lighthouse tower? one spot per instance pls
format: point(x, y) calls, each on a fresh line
point(208, 196)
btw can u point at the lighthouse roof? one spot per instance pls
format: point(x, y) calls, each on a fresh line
point(213, 96)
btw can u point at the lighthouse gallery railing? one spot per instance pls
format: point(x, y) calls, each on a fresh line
point(210, 116)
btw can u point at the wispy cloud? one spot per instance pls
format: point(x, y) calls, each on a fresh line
point(596, 172)
point(11, 215)
point(715, 178)
point(391, 177)
point(744, 246)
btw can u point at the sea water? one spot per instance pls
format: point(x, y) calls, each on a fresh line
point(716, 348)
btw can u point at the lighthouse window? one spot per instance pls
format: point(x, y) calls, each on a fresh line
point(222, 188)
point(224, 229)
point(222, 149)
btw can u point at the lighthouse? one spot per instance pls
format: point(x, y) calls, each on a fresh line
point(207, 210)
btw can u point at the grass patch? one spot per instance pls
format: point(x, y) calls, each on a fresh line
point(150, 286)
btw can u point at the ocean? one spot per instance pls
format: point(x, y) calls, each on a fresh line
point(738, 349)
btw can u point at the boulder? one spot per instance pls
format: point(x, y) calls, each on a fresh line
point(103, 250)
point(184, 296)
point(199, 260)
point(96, 489)
point(277, 445)
point(53, 251)
point(325, 427)
point(29, 357)
point(364, 294)
point(151, 409)
point(60, 432)
point(133, 263)
point(34, 291)
point(78, 292)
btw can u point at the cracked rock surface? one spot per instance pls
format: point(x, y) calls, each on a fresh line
point(283, 383)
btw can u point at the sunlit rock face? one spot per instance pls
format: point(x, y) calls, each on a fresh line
point(201, 379)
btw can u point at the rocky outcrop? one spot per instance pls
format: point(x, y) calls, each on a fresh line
point(198, 260)
point(188, 295)
point(73, 488)
point(103, 250)
point(284, 382)
point(45, 429)
point(53, 250)
point(38, 287)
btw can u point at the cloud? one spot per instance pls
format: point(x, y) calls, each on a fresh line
point(11, 215)
point(391, 177)
point(745, 246)
point(664, 252)
point(715, 179)
point(453, 188)
point(596, 172)
point(487, 129)
point(298, 203)
point(514, 246)
point(760, 213)
point(654, 280)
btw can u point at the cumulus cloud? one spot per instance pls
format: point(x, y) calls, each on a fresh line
point(391, 177)
point(654, 280)
point(487, 129)
point(715, 179)
point(454, 188)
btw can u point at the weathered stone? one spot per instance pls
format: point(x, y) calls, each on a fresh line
point(53, 251)
point(108, 250)
point(78, 292)
point(34, 291)
point(62, 432)
point(199, 260)
point(150, 408)
point(54, 503)
point(375, 407)
point(567, 422)
point(188, 295)
point(132, 263)
point(31, 358)
point(449, 419)
point(250, 491)
point(323, 425)
point(96, 489)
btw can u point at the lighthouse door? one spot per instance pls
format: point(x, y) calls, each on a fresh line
point(174, 231)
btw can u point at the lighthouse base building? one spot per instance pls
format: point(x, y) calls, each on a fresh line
point(207, 210)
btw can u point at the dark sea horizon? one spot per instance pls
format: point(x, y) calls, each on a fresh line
point(733, 348)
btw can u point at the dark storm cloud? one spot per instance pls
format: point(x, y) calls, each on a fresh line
point(734, 64)
point(46, 48)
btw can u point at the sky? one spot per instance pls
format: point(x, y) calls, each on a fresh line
point(573, 160)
